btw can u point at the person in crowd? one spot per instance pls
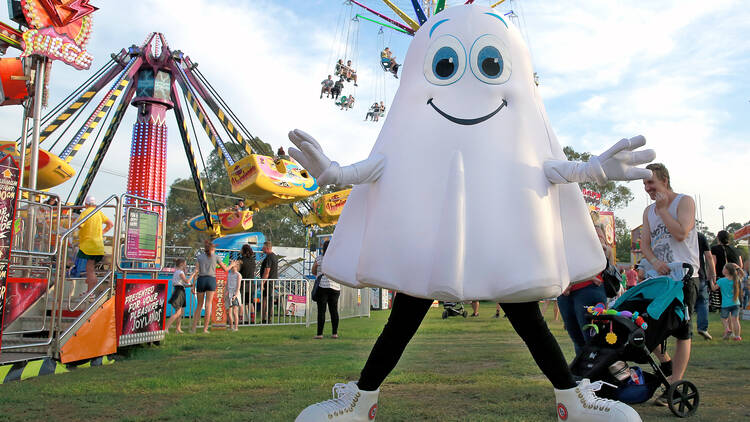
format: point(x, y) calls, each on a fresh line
point(339, 71)
point(545, 305)
point(247, 272)
point(707, 277)
point(282, 155)
point(178, 298)
point(91, 239)
point(474, 308)
point(632, 277)
point(349, 102)
point(746, 286)
point(730, 286)
point(497, 311)
point(381, 111)
point(723, 252)
point(269, 271)
point(389, 61)
point(326, 87)
point(328, 296)
point(206, 285)
point(343, 102)
point(669, 236)
point(232, 296)
point(374, 110)
point(336, 90)
point(349, 73)
point(574, 300)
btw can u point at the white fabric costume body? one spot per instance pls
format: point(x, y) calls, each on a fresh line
point(464, 207)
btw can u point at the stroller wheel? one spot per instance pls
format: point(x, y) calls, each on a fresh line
point(445, 314)
point(683, 398)
point(464, 314)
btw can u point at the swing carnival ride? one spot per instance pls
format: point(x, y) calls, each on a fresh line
point(156, 79)
point(346, 43)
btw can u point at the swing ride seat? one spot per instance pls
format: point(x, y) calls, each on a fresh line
point(327, 209)
point(229, 221)
point(266, 181)
point(52, 169)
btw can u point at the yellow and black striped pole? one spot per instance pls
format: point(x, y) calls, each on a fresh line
point(82, 101)
point(192, 163)
point(106, 142)
point(93, 121)
point(221, 149)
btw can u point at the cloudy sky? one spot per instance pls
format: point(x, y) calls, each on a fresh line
point(670, 70)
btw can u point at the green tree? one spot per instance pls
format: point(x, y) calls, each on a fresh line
point(616, 193)
point(622, 237)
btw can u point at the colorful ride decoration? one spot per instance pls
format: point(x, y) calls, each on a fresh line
point(13, 87)
point(327, 209)
point(230, 222)
point(52, 170)
point(266, 181)
point(59, 30)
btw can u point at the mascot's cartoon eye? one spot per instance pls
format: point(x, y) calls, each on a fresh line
point(445, 61)
point(490, 61)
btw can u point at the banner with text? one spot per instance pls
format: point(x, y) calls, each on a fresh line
point(8, 196)
point(141, 306)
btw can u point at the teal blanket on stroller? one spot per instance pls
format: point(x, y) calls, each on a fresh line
point(661, 291)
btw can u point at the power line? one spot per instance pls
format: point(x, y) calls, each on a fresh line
point(207, 193)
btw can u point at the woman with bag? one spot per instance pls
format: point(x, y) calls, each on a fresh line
point(326, 293)
point(577, 297)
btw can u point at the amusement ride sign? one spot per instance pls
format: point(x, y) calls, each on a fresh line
point(8, 195)
point(59, 30)
point(142, 233)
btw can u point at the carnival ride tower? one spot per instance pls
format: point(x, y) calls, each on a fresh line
point(148, 152)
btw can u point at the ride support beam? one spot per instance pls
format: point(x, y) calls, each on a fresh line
point(419, 12)
point(10, 36)
point(105, 144)
point(192, 163)
point(409, 30)
point(228, 125)
point(439, 6)
point(83, 99)
point(197, 107)
point(406, 18)
point(101, 110)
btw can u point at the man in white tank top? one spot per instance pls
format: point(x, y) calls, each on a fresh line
point(668, 236)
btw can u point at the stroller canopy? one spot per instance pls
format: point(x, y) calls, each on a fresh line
point(660, 291)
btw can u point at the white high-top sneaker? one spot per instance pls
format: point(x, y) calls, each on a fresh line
point(580, 404)
point(349, 404)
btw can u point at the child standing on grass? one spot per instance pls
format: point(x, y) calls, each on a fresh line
point(233, 296)
point(731, 287)
point(177, 300)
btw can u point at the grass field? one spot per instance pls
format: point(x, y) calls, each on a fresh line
point(457, 369)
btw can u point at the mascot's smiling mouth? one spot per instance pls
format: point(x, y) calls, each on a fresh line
point(467, 122)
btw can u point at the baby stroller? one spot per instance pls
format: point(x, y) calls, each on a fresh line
point(453, 309)
point(641, 319)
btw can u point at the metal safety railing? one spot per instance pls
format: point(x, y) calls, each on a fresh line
point(282, 302)
point(61, 279)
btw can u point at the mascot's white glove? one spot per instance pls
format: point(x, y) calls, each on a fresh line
point(328, 172)
point(617, 163)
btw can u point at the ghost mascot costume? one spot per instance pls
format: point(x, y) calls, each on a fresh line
point(466, 162)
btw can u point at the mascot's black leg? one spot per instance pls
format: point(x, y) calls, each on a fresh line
point(529, 323)
point(406, 317)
